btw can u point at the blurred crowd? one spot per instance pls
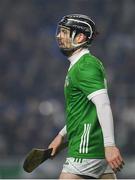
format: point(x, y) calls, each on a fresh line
point(32, 70)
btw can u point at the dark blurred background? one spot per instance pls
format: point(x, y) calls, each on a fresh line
point(32, 73)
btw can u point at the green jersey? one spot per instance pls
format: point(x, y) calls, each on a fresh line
point(84, 132)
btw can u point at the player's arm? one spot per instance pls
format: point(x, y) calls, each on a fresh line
point(58, 142)
point(105, 117)
point(91, 82)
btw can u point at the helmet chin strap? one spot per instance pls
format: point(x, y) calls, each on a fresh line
point(72, 41)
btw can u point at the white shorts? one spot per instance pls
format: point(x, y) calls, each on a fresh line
point(88, 167)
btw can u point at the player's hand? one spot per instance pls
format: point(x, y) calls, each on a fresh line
point(114, 158)
point(55, 144)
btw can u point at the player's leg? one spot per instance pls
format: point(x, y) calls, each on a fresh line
point(74, 176)
point(69, 176)
point(108, 176)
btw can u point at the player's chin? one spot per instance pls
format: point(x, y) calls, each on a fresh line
point(62, 46)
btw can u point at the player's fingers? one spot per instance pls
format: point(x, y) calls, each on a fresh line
point(53, 151)
point(114, 167)
point(122, 161)
point(117, 165)
point(116, 170)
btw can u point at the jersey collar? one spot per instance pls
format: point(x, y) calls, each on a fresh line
point(74, 58)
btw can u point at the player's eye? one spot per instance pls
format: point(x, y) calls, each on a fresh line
point(64, 31)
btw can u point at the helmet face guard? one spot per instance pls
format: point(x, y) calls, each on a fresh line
point(70, 37)
point(66, 36)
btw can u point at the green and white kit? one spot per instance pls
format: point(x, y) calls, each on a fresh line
point(84, 78)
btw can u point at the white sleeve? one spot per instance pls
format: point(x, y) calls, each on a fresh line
point(63, 131)
point(105, 117)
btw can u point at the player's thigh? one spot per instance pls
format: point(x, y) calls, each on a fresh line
point(64, 175)
point(108, 176)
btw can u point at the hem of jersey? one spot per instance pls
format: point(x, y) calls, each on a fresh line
point(95, 93)
point(92, 175)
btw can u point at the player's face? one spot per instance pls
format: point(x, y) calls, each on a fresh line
point(63, 37)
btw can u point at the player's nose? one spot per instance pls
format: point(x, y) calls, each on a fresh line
point(58, 35)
